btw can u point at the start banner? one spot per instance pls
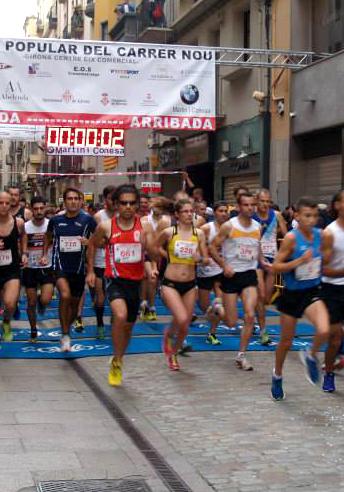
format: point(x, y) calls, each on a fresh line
point(118, 85)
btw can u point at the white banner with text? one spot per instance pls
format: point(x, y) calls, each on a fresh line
point(117, 85)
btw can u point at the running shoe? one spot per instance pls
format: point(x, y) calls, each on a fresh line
point(311, 364)
point(173, 363)
point(144, 312)
point(339, 363)
point(212, 339)
point(194, 317)
point(33, 336)
point(277, 392)
point(167, 343)
point(151, 315)
point(7, 331)
point(217, 307)
point(328, 384)
point(256, 329)
point(265, 339)
point(78, 325)
point(65, 343)
point(115, 372)
point(243, 363)
point(100, 333)
point(186, 348)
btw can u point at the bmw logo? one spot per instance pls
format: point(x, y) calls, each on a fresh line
point(189, 94)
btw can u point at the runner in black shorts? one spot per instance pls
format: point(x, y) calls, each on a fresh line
point(69, 234)
point(34, 274)
point(333, 287)
point(11, 229)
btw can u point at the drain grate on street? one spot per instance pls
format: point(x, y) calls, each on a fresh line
point(123, 485)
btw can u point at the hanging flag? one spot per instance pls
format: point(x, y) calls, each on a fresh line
point(110, 163)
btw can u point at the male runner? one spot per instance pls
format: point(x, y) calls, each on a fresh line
point(17, 210)
point(69, 234)
point(240, 237)
point(271, 223)
point(11, 230)
point(96, 257)
point(333, 287)
point(34, 274)
point(299, 259)
point(209, 277)
point(126, 239)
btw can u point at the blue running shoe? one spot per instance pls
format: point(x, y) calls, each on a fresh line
point(277, 392)
point(311, 367)
point(328, 384)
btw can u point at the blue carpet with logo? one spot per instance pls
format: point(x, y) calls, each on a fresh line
point(147, 336)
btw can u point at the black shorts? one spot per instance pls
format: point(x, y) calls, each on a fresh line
point(129, 290)
point(34, 277)
point(7, 274)
point(181, 287)
point(333, 297)
point(99, 272)
point(239, 282)
point(207, 283)
point(295, 302)
point(76, 282)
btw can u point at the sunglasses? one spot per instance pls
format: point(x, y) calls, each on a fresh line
point(126, 203)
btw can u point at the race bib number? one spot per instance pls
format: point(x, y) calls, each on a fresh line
point(184, 249)
point(5, 257)
point(128, 253)
point(70, 244)
point(34, 258)
point(246, 252)
point(309, 271)
point(269, 249)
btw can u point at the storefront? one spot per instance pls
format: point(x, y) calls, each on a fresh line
point(238, 158)
point(240, 172)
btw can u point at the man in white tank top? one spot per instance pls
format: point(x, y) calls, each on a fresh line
point(97, 257)
point(209, 277)
point(240, 238)
point(333, 287)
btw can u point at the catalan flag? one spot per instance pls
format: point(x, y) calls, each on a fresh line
point(110, 162)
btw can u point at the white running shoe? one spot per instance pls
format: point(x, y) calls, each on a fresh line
point(242, 363)
point(65, 344)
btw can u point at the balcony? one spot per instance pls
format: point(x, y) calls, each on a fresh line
point(77, 23)
point(89, 10)
point(125, 28)
point(152, 26)
point(193, 12)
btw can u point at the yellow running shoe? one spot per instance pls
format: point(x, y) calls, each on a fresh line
point(7, 331)
point(115, 373)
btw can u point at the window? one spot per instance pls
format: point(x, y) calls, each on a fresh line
point(338, 8)
point(104, 26)
point(247, 31)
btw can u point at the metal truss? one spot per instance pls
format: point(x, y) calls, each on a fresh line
point(266, 58)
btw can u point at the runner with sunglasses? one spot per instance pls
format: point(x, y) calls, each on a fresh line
point(126, 238)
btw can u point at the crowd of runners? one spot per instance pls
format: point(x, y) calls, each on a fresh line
point(137, 246)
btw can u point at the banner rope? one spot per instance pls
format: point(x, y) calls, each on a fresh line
point(116, 173)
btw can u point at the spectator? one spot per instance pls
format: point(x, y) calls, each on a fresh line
point(124, 8)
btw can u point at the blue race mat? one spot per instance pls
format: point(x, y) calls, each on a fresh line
point(149, 328)
point(138, 345)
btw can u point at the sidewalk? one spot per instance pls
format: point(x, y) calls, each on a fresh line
point(215, 426)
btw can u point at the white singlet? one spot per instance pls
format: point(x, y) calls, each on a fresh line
point(213, 268)
point(337, 260)
point(241, 249)
point(99, 257)
point(35, 239)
